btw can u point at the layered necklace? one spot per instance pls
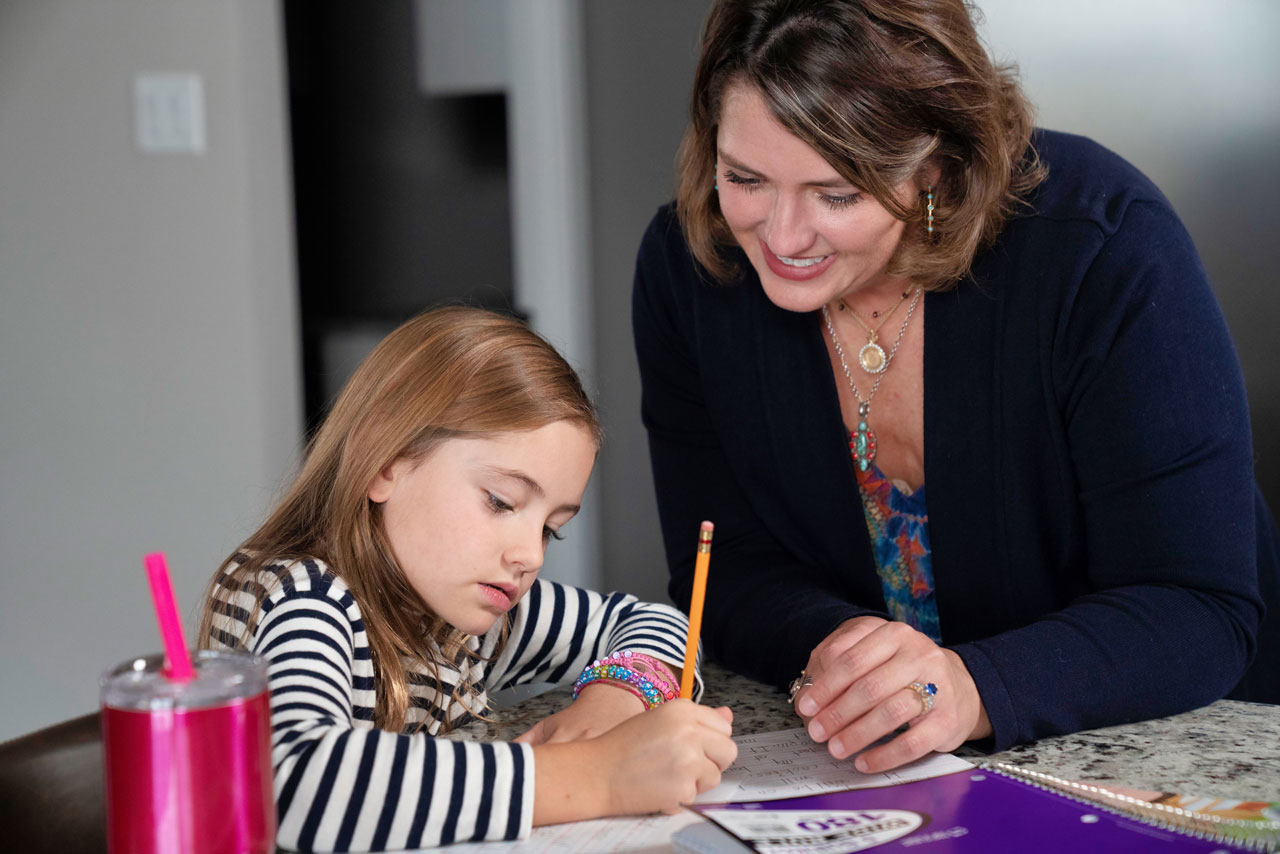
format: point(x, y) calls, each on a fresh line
point(872, 357)
point(862, 443)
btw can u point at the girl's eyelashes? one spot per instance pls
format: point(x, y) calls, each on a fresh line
point(497, 505)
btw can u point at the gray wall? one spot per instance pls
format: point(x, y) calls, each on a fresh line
point(640, 59)
point(148, 343)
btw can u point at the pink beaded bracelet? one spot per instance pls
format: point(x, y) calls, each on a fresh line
point(659, 674)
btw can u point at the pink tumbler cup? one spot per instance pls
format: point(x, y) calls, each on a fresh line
point(188, 764)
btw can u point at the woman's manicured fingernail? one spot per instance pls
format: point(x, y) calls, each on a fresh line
point(816, 731)
point(807, 705)
point(860, 764)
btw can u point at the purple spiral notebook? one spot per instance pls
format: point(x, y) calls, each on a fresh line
point(977, 810)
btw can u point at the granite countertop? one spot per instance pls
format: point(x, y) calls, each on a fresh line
point(1228, 749)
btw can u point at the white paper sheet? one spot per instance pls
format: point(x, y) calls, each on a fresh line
point(788, 764)
point(780, 764)
point(639, 835)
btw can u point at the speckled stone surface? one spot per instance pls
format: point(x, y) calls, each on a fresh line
point(1228, 749)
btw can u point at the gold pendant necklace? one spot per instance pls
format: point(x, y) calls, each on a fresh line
point(862, 442)
point(872, 357)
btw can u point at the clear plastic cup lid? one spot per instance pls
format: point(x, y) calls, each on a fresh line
point(221, 677)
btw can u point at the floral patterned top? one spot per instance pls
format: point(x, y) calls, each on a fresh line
point(899, 527)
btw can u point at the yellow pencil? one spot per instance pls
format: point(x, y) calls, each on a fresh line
point(695, 608)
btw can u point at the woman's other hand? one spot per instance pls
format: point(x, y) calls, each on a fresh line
point(862, 673)
point(599, 708)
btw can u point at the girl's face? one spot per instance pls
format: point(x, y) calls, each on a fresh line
point(810, 235)
point(470, 523)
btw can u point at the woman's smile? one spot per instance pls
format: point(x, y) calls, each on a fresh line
point(796, 269)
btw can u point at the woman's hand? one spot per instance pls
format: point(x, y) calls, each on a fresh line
point(599, 708)
point(861, 673)
point(652, 762)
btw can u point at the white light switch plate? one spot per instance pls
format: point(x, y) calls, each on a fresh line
point(169, 112)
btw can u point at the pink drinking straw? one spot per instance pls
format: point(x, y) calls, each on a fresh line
point(178, 667)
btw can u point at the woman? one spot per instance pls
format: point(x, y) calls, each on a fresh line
point(879, 279)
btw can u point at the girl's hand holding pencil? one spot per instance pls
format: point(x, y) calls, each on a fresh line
point(666, 757)
point(652, 762)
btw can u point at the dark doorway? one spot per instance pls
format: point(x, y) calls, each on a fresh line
point(401, 197)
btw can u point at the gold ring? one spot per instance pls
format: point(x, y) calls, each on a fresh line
point(804, 680)
point(925, 690)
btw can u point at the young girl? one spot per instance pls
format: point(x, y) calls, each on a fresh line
point(395, 586)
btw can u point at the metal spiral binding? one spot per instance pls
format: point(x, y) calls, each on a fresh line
point(1211, 828)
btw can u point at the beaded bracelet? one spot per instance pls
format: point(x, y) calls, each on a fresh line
point(640, 674)
point(658, 672)
point(619, 677)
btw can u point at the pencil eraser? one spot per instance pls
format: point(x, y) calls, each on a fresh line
point(707, 526)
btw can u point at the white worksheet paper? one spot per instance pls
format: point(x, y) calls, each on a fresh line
point(783, 764)
point(788, 764)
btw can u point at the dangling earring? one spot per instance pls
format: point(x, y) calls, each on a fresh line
point(715, 182)
point(929, 209)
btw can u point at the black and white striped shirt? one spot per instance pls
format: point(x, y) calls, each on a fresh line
point(343, 785)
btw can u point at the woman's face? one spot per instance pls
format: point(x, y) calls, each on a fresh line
point(810, 234)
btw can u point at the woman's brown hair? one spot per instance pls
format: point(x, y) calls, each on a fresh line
point(452, 372)
point(882, 89)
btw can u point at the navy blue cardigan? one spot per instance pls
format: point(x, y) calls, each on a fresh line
point(1096, 527)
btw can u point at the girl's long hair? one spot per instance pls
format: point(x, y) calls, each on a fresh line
point(448, 373)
